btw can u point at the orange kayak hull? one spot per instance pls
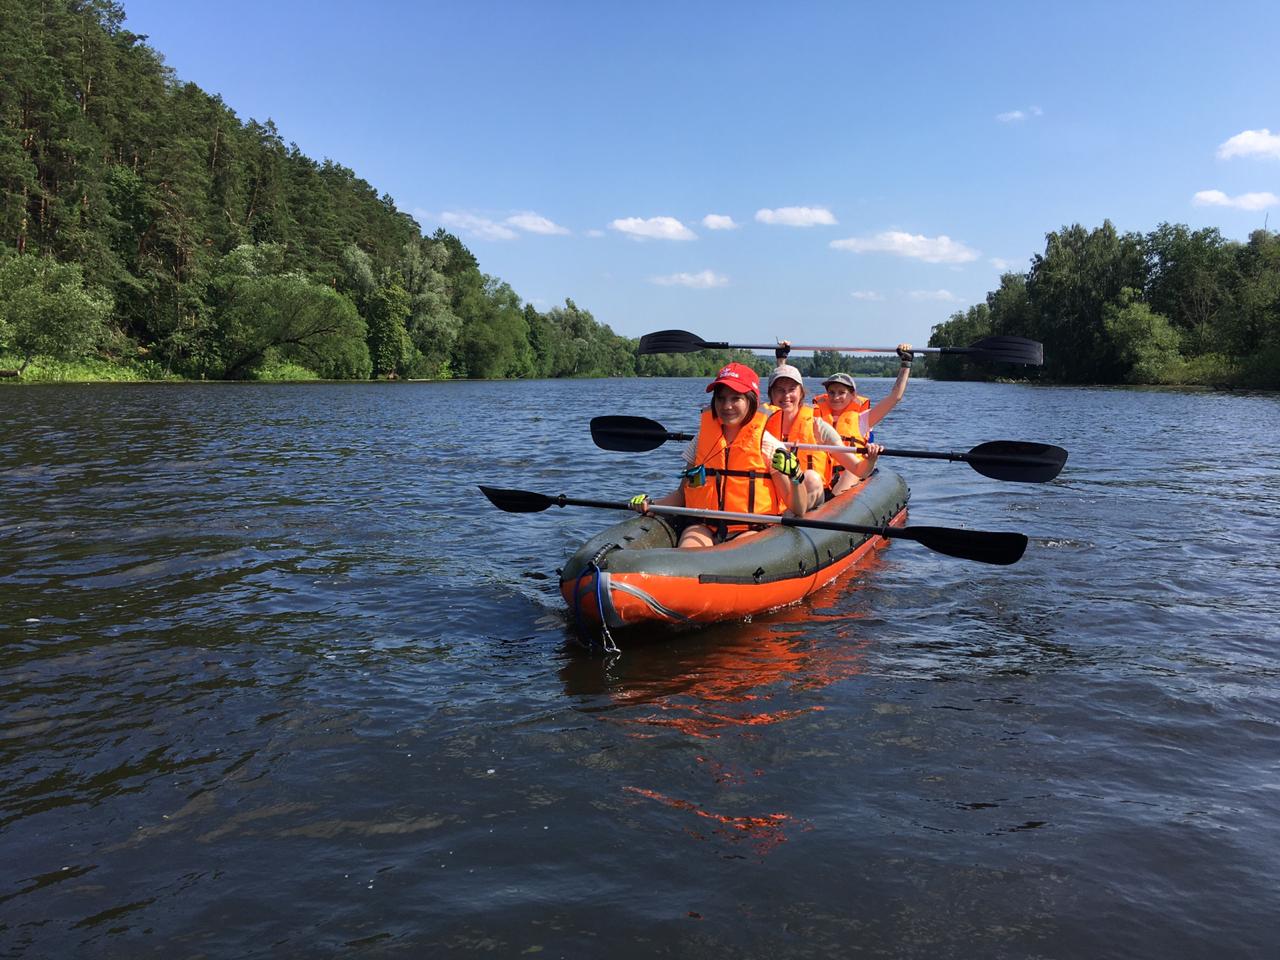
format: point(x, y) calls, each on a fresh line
point(633, 574)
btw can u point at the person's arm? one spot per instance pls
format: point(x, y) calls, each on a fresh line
point(867, 463)
point(829, 435)
point(783, 481)
point(899, 387)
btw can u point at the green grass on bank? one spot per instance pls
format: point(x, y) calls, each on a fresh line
point(98, 370)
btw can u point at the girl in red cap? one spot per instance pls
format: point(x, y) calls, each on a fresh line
point(734, 464)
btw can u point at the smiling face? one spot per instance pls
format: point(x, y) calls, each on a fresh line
point(839, 397)
point(731, 406)
point(786, 394)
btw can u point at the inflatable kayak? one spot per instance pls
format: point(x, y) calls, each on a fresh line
point(633, 573)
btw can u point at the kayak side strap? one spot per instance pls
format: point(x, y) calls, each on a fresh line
point(605, 641)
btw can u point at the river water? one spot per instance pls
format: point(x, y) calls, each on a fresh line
point(277, 681)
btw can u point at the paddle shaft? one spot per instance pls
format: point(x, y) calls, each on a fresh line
point(905, 533)
point(980, 545)
point(1001, 349)
point(1011, 458)
point(802, 347)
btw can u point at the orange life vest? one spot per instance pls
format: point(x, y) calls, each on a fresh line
point(738, 476)
point(802, 431)
point(853, 425)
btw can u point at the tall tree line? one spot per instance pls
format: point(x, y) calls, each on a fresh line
point(141, 220)
point(1175, 305)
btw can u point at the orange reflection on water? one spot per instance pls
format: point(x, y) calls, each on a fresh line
point(763, 832)
point(733, 679)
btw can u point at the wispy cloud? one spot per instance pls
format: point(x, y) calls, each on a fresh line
point(595, 233)
point(797, 216)
point(701, 281)
point(534, 223)
point(1001, 264)
point(1017, 116)
point(718, 221)
point(1246, 201)
point(476, 226)
point(1251, 143)
point(942, 296)
point(940, 249)
point(654, 228)
point(485, 228)
point(867, 295)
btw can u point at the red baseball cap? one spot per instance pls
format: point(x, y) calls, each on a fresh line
point(737, 376)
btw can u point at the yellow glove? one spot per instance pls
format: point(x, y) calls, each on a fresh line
point(639, 503)
point(785, 461)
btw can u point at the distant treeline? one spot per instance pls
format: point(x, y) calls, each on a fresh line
point(144, 223)
point(1173, 306)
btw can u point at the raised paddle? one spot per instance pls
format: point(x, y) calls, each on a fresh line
point(1017, 460)
point(996, 349)
point(981, 545)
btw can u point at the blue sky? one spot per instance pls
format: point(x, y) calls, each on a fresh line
point(877, 165)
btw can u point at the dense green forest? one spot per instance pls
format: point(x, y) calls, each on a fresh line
point(1173, 306)
point(147, 231)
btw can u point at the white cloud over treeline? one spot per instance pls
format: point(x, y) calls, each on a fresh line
point(719, 221)
point(704, 280)
point(1015, 116)
point(1245, 201)
point(485, 228)
point(940, 249)
point(653, 228)
point(797, 216)
point(1251, 143)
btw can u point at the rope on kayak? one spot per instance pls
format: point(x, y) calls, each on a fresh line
point(605, 642)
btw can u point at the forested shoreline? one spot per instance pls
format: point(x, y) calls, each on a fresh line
point(148, 233)
point(1174, 306)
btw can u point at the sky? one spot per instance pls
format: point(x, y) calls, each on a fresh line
point(837, 174)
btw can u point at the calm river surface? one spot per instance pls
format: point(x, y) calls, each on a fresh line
point(275, 680)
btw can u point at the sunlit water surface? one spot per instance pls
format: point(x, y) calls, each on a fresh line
point(277, 681)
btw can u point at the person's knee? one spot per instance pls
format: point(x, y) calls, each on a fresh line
point(696, 536)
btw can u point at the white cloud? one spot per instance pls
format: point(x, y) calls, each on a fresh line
point(533, 223)
point(940, 249)
point(595, 233)
point(797, 216)
point(1251, 143)
point(1001, 264)
point(944, 296)
point(701, 281)
point(718, 221)
point(867, 295)
point(476, 226)
point(654, 228)
point(1017, 116)
point(1246, 201)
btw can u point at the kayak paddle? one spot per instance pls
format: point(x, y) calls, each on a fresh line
point(1018, 460)
point(996, 349)
point(981, 545)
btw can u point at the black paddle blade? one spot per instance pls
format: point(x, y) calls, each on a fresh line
point(517, 501)
point(1009, 350)
point(1017, 460)
point(630, 434)
point(980, 545)
point(674, 341)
